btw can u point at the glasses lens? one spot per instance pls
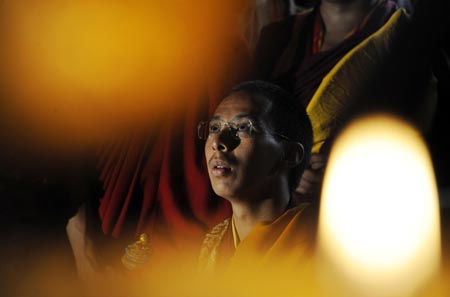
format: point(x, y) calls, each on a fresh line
point(243, 129)
point(239, 130)
point(214, 127)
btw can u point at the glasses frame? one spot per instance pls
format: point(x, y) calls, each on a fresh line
point(234, 132)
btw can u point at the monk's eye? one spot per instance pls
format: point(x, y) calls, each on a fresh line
point(243, 129)
point(214, 127)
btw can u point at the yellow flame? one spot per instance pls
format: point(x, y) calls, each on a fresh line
point(379, 222)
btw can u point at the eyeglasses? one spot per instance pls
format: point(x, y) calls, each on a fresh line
point(238, 129)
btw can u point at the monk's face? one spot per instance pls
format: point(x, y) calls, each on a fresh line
point(242, 160)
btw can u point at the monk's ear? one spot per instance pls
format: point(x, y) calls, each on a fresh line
point(293, 154)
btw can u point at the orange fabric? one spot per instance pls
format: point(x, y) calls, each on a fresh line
point(288, 242)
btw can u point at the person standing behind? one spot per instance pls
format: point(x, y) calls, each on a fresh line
point(338, 55)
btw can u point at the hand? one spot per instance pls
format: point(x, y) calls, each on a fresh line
point(311, 181)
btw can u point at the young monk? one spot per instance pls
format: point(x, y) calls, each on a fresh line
point(257, 146)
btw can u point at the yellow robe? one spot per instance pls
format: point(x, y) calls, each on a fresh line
point(365, 80)
point(286, 243)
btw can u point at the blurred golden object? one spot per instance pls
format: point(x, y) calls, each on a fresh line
point(137, 253)
point(74, 74)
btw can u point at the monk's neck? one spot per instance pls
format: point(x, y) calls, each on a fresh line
point(247, 215)
point(341, 17)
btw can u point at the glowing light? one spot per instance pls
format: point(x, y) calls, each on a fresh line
point(379, 223)
point(74, 71)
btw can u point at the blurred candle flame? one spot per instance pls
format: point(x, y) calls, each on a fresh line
point(379, 221)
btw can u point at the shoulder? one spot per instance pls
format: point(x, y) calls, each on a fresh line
point(307, 211)
point(304, 220)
